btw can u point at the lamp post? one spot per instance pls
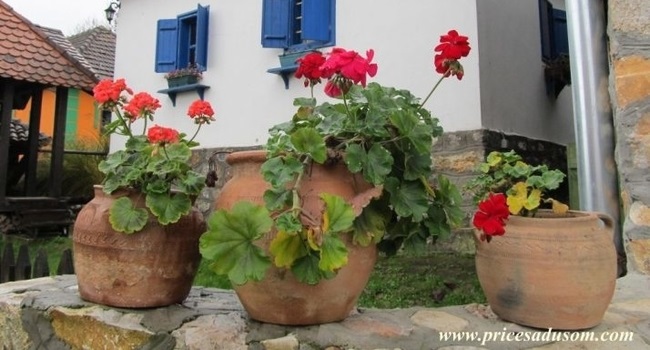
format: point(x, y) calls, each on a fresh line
point(111, 10)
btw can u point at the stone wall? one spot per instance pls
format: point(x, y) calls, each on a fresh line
point(629, 35)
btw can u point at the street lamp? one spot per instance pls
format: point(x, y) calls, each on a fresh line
point(111, 10)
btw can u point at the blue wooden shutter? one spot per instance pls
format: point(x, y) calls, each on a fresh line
point(276, 24)
point(202, 16)
point(560, 34)
point(166, 45)
point(546, 29)
point(317, 20)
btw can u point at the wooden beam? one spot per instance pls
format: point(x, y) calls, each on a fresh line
point(7, 98)
point(34, 136)
point(58, 141)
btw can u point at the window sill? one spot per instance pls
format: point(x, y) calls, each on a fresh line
point(172, 92)
point(284, 72)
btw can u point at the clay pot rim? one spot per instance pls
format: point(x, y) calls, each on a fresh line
point(246, 156)
point(543, 215)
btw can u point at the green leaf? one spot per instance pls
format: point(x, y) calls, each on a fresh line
point(309, 141)
point(113, 162)
point(338, 215)
point(306, 270)
point(280, 170)
point(137, 143)
point(416, 166)
point(125, 217)
point(251, 266)
point(549, 180)
point(355, 158)
point(416, 239)
point(333, 253)
point(192, 183)
point(276, 198)
point(378, 165)
point(229, 241)
point(288, 222)
point(437, 224)
point(177, 152)
point(304, 102)
point(369, 227)
point(168, 208)
point(417, 133)
point(287, 248)
point(408, 198)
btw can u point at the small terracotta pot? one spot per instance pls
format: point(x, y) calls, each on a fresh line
point(151, 268)
point(550, 272)
point(279, 298)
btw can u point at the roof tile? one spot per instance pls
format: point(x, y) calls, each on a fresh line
point(25, 48)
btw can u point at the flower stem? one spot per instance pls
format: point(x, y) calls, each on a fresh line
point(127, 129)
point(195, 133)
point(432, 90)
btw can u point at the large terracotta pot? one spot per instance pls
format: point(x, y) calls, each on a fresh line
point(151, 268)
point(279, 298)
point(550, 272)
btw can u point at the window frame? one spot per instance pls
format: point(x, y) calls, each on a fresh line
point(182, 41)
point(283, 27)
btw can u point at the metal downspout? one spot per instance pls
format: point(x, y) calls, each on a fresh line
point(597, 177)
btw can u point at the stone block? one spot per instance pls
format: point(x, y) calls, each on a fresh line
point(638, 254)
point(629, 16)
point(632, 80)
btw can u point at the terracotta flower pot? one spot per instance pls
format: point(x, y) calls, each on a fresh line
point(279, 298)
point(550, 272)
point(151, 268)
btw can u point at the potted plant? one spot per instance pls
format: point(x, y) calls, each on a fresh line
point(191, 74)
point(136, 241)
point(298, 226)
point(545, 268)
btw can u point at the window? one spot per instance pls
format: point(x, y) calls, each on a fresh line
point(553, 29)
point(297, 25)
point(183, 41)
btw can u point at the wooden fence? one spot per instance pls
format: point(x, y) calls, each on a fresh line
point(21, 267)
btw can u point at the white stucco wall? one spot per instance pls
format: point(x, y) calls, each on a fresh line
point(513, 97)
point(248, 100)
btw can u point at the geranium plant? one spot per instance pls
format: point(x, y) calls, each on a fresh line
point(191, 70)
point(508, 186)
point(154, 162)
point(382, 133)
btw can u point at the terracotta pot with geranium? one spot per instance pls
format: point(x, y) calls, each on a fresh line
point(136, 242)
point(545, 268)
point(298, 227)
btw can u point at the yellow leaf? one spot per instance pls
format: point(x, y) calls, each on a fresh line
point(314, 238)
point(559, 207)
point(286, 248)
point(533, 200)
point(326, 221)
point(517, 198)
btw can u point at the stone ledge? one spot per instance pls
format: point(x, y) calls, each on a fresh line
point(46, 313)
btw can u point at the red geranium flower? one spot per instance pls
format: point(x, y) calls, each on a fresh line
point(350, 66)
point(142, 104)
point(309, 68)
point(161, 135)
point(492, 215)
point(108, 91)
point(452, 47)
point(201, 111)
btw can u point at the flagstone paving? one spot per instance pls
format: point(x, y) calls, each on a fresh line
point(47, 313)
